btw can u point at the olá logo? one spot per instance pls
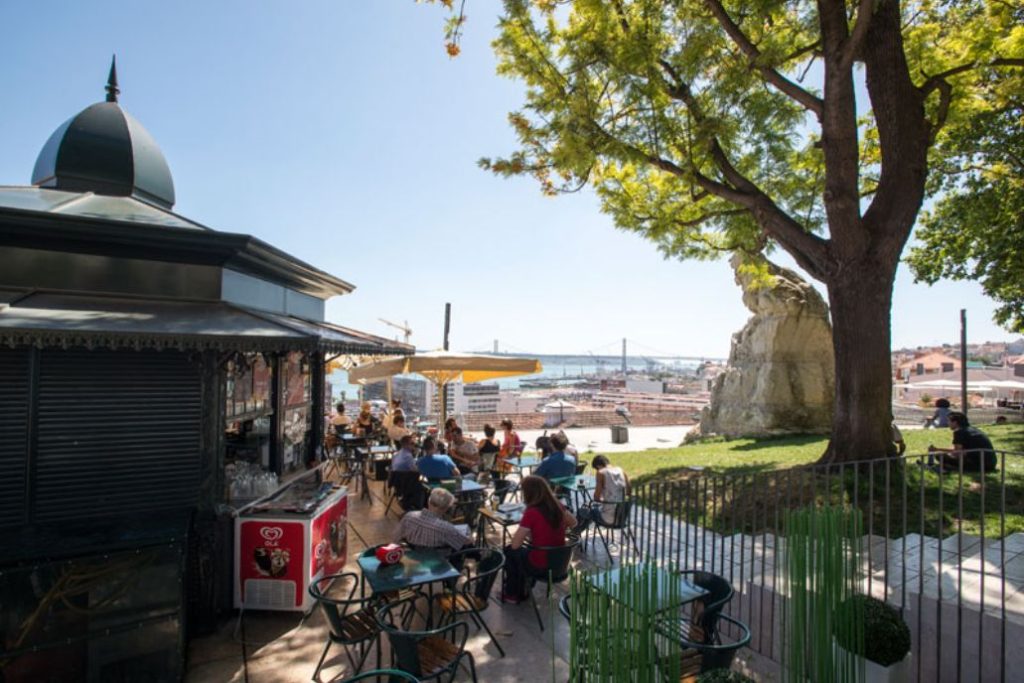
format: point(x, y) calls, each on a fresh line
point(271, 534)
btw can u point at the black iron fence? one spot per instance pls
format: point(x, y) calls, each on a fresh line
point(946, 548)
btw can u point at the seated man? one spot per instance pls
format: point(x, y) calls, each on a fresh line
point(612, 486)
point(405, 458)
point(559, 463)
point(429, 528)
point(465, 453)
point(397, 429)
point(970, 444)
point(434, 465)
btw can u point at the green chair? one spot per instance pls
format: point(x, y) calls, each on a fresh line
point(351, 620)
point(472, 596)
point(557, 562)
point(620, 523)
point(430, 654)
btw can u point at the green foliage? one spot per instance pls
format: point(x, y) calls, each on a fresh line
point(886, 635)
point(976, 231)
point(822, 556)
point(612, 628)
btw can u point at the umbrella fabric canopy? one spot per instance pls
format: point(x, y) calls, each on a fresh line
point(442, 367)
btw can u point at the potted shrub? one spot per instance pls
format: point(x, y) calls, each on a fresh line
point(886, 644)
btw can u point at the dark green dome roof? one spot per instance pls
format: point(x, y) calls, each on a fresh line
point(104, 150)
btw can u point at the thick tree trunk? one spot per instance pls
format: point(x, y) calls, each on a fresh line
point(860, 299)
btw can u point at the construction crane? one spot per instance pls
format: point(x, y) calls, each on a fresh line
point(404, 328)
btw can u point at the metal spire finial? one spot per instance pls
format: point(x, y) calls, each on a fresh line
point(112, 89)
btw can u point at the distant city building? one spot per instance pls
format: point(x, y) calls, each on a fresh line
point(927, 364)
point(511, 402)
point(413, 393)
point(473, 398)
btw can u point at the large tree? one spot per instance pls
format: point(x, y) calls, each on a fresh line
point(725, 125)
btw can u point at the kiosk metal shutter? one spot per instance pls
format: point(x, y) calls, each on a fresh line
point(119, 433)
point(14, 399)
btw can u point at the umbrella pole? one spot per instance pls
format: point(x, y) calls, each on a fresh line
point(442, 408)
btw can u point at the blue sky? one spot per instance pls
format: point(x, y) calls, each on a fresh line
point(342, 133)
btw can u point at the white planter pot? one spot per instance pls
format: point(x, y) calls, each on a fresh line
point(896, 673)
point(876, 673)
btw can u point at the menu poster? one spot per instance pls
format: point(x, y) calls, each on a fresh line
point(295, 380)
point(260, 379)
point(242, 389)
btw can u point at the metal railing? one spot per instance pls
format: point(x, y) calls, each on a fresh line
point(938, 546)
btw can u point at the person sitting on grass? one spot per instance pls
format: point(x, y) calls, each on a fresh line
point(434, 465)
point(970, 445)
point(429, 529)
point(612, 486)
point(559, 463)
point(544, 523)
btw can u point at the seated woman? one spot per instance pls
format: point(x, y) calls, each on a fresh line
point(365, 421)
point(544, 523)
point(340, 421)
point(397, 429)
point(511, 446)
point(488, 448)
point(612, 486)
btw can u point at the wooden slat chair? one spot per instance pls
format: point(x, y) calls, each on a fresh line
point(700, 656)
point(351, 620)
point(481, 567)
point(429, 654)
point(383, 676)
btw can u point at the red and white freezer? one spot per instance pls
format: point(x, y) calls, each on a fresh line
point(278, 554)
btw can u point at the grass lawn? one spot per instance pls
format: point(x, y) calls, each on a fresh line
point(749, 476)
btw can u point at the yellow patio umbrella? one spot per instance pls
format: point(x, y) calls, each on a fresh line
point(442, 367)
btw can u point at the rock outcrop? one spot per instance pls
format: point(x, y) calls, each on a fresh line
point(781, 376)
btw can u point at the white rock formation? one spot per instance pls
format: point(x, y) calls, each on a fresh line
point(781, 376)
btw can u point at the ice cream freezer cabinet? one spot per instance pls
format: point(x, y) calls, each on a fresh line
point(279, 553)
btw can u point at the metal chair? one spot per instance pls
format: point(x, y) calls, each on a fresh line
point(351, 620)
point(702, 656)
point(383, 676)
point(408, 490)
point(703, 626)
point(557, 570)
point(427, 654)
point(620, 522)
point(472, 596)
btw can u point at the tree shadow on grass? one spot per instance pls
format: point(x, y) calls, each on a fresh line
point(682, 473)
point(774, 442)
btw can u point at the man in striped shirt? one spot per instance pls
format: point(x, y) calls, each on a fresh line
point(429, 528)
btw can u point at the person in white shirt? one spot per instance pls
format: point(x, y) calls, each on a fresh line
point(612, 486)
point(397, 429)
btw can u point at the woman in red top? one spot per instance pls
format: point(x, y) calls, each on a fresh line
point(511, 446)
point(544, 523)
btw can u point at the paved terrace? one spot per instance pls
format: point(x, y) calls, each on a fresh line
point(282, 647)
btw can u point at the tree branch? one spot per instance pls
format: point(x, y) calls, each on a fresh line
point(783, 84)
point(934, 82)
point(860, 29)
point(711, 215)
